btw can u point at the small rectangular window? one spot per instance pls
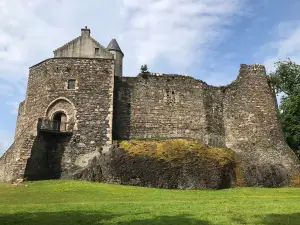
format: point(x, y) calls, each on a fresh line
point(97, 51)
point(71, 84)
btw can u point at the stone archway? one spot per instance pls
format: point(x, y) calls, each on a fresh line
point(62, 110)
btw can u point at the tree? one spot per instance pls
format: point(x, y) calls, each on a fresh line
point(144, 68)
point(286, 80)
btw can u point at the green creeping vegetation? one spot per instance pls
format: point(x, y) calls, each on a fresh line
point(178, 149)
point(77, 203)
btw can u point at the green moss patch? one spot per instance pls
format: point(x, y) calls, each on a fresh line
point(295, 181)
point(178, 150)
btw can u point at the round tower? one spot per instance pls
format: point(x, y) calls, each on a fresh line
point(115, 49)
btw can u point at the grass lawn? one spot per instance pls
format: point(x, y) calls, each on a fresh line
point(75, 202)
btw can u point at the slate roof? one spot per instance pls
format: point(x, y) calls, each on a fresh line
point(113, 45)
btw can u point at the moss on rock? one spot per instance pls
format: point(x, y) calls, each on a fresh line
point(182, 164)
point(178, 149)
point(295, 181)
point(173, 163)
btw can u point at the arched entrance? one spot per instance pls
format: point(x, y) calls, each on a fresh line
point(60, 121)
point(62, 110)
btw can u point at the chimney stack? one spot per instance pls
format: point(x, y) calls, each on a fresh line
point(85, 32)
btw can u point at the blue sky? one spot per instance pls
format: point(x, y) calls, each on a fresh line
point(206, 39)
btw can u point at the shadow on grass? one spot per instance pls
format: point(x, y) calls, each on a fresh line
point(279, 219)
point(92, 218)
point(98, 218)
point(55, 218)
point(167, 220)
point(273, 219)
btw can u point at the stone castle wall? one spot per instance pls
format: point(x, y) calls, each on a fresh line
point(252, 128)
point(14, 160)
point(169, 106)
point(88, 107)
point(103, 108)
point(241, 116)
point(160, 107)
point(20, 124)
point(91, 99)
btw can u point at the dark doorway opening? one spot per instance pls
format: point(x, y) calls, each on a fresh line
point(60, 116)
point(60, 120)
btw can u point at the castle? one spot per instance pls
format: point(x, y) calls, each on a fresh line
point(78, 102)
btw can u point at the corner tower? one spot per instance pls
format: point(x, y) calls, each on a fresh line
point(114, 48)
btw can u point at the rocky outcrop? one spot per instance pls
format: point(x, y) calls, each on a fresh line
point(180, 164)
point(195, 168)
point(118, 166)
point(266, 175)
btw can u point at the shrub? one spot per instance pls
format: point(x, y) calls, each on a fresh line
point(144, 68)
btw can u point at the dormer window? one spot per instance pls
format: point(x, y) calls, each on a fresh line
point(71, 83)
point(96, 51)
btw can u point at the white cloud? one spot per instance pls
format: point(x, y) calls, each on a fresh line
point(286, 44)
point(176, 30)
point(30, 30)
point(173, 30)
point(24, 36)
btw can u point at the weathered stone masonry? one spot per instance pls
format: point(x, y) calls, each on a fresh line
point(88, 108)
point(241, 116)
point(103, 106)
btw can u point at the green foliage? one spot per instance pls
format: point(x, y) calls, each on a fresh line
point(298, 153)
point(275, 81)
point(75, 202)
point(178, 149)
point(286, 77)
point(286, 80)
point(144, 68)
point(290, 119)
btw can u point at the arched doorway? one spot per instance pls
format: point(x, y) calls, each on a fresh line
point(60, 121)
point(63, 110)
